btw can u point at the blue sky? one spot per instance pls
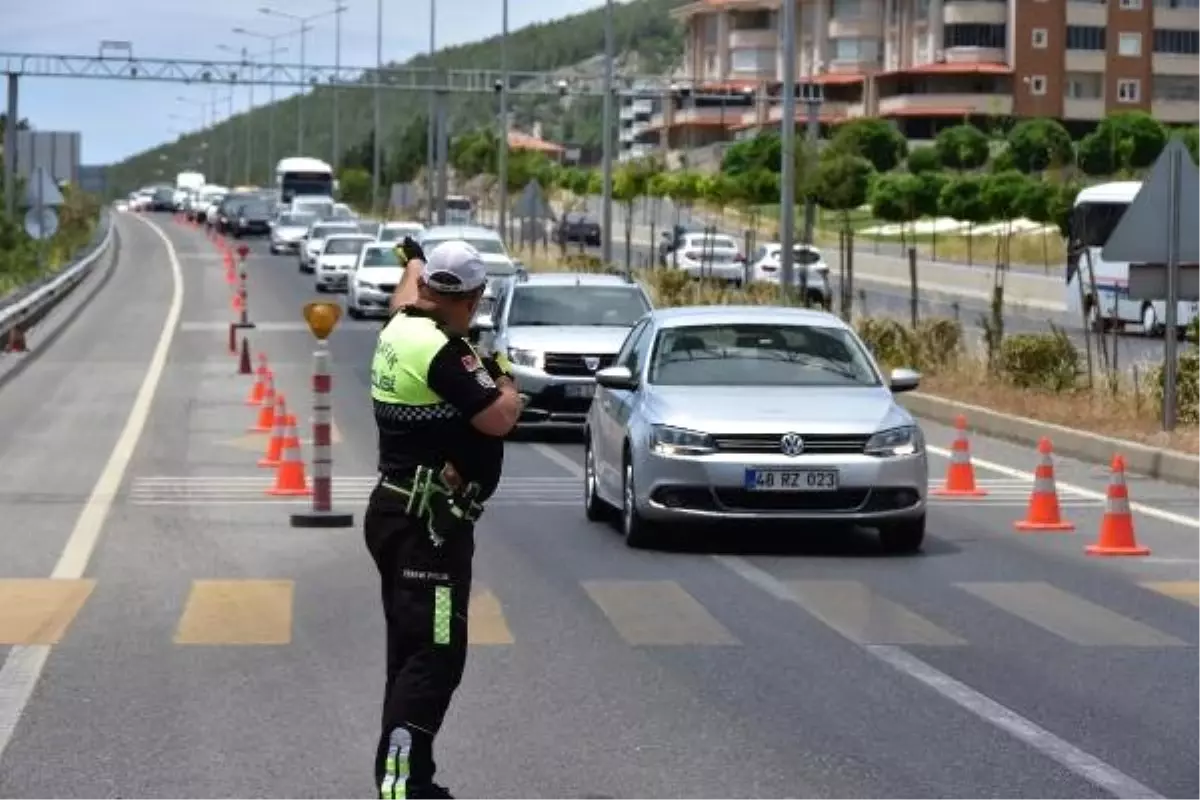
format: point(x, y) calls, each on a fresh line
point(119, 118)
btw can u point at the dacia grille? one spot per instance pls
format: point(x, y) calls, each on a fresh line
point(816, 443)
point(576, 364)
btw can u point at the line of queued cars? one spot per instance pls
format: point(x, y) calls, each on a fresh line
point(690, 416)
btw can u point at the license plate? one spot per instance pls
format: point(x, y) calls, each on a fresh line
point(792, 480)
point(580, 390)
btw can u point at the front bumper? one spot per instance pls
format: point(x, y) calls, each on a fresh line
point(372, 302)
point(284, 246)
point(553, 399)
point(333, 279)
point(871, 490)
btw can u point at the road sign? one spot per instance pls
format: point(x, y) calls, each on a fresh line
point(42, 190)
point(41, 223)
point(1141, 236)
point(532, 205)
point(1158, 230)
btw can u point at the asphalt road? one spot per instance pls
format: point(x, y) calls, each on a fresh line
point(165, 633)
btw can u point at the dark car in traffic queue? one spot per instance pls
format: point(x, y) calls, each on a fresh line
point(229, 208)
point(576, 227)
point(253, 218)
point(163, 199)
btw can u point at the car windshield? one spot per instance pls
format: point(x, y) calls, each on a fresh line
point(398, 232)
point(381, 257)
point(741, 354)
point(323, 231)
point(369, 228)
point(255, 209)
point(487, 247)
point(340, 246)
point(617, 306)
point(297, 220)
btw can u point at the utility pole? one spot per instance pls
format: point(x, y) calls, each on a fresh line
point(502, 140)
point(249, 111)
point(431, 132)
point(376, 152)
point(336, 161)
point(607, 128)
point(273, 52)
point(787, 139)
point(10, 147)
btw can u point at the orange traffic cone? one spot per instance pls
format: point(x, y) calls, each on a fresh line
point(266, 411)
point(259, 389)
point(960, 475)
point(279, 437)
point(1116, 528)
point(289, 476)
point(1044, 513)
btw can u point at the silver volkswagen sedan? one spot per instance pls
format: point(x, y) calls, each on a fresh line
point(753, 413)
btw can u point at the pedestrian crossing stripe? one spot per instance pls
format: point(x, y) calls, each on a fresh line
point(232, 490)
point(641, 613)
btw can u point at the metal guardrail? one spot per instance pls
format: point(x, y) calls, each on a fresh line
point(28, 306)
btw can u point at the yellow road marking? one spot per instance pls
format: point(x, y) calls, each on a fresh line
point(1072, 618)
point(862, 616)
point(237, 612)
point(657, 613)
point(39, 611)
point(1187, 591)
point(485, 619)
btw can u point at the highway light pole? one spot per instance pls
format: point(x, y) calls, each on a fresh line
point(787, 140)
point(431, 131)
point(338, 10)
point(303, 29)
point(207, 120)
point(607, 129)
point(274, 50)
point(502, 140)
point(377, 112)
point(245, 57)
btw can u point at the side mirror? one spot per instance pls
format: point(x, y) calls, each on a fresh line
point(904, 380)
point(616, 378)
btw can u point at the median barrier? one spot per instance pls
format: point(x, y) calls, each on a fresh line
point(29, 306)
point(1167, 465)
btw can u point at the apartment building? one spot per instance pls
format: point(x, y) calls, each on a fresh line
point(928, 64)
point(637, 105)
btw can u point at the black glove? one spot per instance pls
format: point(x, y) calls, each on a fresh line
point(497, 366)
point(411, 250)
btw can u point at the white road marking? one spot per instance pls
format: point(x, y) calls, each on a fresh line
point(23, 667)
point(1079, 491)
point(559, 457)
point(1085, 765)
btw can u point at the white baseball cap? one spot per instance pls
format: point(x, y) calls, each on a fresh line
point(454, 267)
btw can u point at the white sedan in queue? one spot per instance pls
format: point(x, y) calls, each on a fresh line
point(375, 277)
point(337, 260)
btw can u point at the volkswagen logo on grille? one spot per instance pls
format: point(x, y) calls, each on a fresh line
point(791, 444)
point(592, 362)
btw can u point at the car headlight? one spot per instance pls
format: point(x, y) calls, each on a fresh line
point(904, 441)
point(668, 441)
point(524, 358)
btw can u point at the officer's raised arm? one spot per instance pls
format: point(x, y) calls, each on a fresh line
point(485, 396)
point(414, 261)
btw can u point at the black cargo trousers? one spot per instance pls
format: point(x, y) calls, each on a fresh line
point(426, 589)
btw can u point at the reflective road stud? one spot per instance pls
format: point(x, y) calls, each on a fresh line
point(322, 318)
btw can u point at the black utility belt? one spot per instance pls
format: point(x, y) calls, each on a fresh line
point(430, 497)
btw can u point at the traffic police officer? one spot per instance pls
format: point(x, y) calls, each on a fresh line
point(442, 411)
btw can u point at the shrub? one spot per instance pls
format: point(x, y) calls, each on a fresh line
point(1040, 360)
point(935, 342)
point(1187, 389)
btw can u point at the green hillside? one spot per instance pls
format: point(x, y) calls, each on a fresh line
point(645, 34)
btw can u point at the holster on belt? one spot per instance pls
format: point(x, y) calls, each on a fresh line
point(436, 497)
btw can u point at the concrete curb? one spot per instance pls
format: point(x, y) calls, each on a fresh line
point(1167, 465)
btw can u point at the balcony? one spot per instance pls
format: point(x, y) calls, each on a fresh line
point(1178, 19)
point(982, 12)
point(1088, 109)
point(1175, 111)
point(975, 55)
point(857, 27)
point(1090, 14)
point(1172, 64)
point(1085, 61)
point(753, 39)
point(950, 105)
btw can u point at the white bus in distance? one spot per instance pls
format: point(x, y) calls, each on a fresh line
point(1095, 215)
point(303, 176)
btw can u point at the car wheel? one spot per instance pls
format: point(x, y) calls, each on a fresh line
point(903, 537)
point(353, 312)
point(595, 509)
point(319, 288)
point(637, 532)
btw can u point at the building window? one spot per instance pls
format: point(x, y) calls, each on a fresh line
point(1177, 3)
point(1083, 86)
point(1086, 37)
point(974, 35)
point(1177, 87)
point(754, 60)
point(1037, 84)
point(1183, 43)
point(1129, 90)
point(752, 20)
point(858, 49)
point(1131, 5)
point(846, 9)
point(1040, 38)
point(1129, 44)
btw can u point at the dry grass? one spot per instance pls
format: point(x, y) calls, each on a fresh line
point(1126, 411)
